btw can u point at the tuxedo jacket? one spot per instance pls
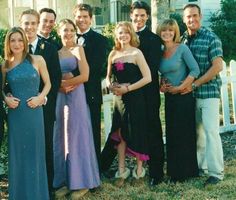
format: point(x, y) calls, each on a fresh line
point(50, 55)
point(96, 50)
point(150, 45)
point(52, 41)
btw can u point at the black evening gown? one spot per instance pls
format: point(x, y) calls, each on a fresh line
point(130, 111)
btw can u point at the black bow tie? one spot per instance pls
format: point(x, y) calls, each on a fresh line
point(139, 33)
point(81, 35)
point(47, 39)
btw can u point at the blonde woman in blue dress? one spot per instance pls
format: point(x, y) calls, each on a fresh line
point(26, 149)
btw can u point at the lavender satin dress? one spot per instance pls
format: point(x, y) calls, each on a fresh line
point(75, 163)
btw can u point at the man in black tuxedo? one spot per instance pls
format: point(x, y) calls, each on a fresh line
point(46, 24)
point(96, 48)
point(150, 45)
point(29, 21)
point(2, 112)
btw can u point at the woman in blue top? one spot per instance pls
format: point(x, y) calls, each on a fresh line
point(178, 70)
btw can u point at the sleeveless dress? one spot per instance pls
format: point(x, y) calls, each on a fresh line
point(130, 113)
point(27, 164)
point(75, 162)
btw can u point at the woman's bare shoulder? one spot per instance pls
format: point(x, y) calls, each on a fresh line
point(3, 67)
point(38, 61)
point(37, 58)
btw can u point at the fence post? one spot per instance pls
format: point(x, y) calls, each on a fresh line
point(107, 104)
point(232, 67)
point(225, 98)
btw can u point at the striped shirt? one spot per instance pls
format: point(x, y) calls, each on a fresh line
point(205, 47)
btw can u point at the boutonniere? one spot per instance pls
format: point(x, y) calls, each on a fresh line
point(119, 66)
point(42, 46)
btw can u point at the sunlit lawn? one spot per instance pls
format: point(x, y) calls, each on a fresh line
point(189, 190)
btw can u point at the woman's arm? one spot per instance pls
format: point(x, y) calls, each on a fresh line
point(40, 65)
point(193, 69)
point(83, 68)
point(11, 101)
point(45, 77)
point(143, 66)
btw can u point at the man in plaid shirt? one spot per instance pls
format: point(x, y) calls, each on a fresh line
point(207, 50)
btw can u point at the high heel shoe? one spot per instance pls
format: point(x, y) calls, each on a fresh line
point(138, 179)
point(120, 178)
point(61, 193)
point(77, 194)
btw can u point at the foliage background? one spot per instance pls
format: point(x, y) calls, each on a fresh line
point(223, 23)
point(2, 37)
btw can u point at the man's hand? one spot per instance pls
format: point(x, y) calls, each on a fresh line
point(12, 102)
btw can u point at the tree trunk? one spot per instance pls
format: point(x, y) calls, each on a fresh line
point(159, 12)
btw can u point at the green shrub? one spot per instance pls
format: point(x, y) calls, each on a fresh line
point(179, 19)
point(3, 33)
point(224, 25)
point(108, 32)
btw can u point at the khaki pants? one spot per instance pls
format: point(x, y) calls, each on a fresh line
point(209, 145)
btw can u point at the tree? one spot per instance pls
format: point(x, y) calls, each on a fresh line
point(223, 23)
point(179, 20)
point(160, 11)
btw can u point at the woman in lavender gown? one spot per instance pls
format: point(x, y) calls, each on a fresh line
point(75, 164)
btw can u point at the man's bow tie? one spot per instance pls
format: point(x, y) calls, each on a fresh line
point(138, 33)
point(47, 39)
point(81, 35)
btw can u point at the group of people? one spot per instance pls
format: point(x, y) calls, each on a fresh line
point(53, 94)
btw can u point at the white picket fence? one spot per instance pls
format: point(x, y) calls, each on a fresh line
point(228, 97)
point(228, 101)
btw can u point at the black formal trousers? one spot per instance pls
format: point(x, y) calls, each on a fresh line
point(155, 140)
point(96, 49)
point(95, 112)
point(50, 55)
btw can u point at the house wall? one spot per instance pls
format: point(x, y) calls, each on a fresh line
point(11, 9)
point(107, 10)
point(207, 8)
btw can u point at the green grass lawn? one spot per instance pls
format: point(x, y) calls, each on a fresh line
point(190, 190)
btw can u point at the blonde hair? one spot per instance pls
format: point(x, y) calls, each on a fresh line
point(30, 12)
point(172, 25)
point(66, 21)
point(134, 41)
point(7, 50)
